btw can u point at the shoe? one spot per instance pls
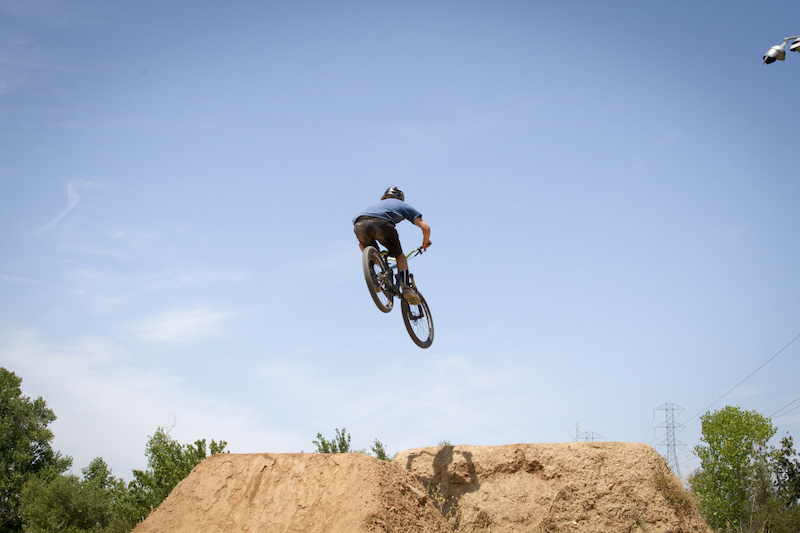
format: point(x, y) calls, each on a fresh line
point(410, 295)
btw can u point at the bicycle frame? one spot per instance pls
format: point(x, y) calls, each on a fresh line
point(392, 261)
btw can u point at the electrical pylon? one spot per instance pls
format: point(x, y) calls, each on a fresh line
point(670, 441)
point(587, 436)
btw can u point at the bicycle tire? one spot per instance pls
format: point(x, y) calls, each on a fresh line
point(419, 322)
point(379, 279)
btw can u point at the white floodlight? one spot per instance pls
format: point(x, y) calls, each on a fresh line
point(778, 52)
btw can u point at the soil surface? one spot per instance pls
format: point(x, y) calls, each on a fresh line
point(325, 493)
point(607, 487)
point(583, 487)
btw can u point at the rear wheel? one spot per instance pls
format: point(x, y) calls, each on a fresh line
point(419, 322)
point(379, 279)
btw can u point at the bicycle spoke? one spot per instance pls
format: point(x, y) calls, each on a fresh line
point(375, 272)
point(418, 322)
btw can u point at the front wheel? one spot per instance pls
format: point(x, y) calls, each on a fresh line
point(419, 322)
point(379, 279)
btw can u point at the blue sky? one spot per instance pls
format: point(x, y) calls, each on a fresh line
point(612, 191)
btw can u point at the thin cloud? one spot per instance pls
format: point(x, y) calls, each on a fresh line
point(72, 200)
point(182, 325)
point(18, 279)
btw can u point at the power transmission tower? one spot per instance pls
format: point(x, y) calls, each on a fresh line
point(587, 436)
point(670, 441)
point(591, 436)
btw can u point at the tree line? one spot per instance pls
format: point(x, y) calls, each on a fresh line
point(38, 495)
point(743, 484)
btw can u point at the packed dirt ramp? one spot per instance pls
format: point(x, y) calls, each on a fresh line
point(572, 487)
point(607, 487)
point(324, 493)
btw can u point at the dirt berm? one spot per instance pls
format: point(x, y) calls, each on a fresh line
point(583, 487)
point(607, 487)
point(295, 492)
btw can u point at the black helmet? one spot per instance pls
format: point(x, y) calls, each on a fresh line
point(393, 192)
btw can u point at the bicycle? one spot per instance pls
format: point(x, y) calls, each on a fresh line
point(380, 277)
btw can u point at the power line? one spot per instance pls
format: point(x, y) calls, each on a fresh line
point(648, 428)
point(790, 411)
point(745, 379)
point(784, 407)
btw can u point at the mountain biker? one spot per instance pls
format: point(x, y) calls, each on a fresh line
point(377, 223)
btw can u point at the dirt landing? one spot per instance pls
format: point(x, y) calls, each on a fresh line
point(296, 492)
point(604, 487)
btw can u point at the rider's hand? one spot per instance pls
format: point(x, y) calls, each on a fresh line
point(425, 245)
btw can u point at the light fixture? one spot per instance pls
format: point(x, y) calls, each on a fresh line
point(778, 52)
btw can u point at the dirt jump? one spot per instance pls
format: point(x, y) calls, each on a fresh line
point(582, 487)
point(606, 487)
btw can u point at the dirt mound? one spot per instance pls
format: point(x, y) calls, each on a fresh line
point(581, 487)
point(296, 492)
point(606, 487)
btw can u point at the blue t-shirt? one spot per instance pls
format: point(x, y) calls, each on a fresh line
point(391, 209)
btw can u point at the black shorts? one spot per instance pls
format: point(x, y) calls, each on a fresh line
point(371, 229)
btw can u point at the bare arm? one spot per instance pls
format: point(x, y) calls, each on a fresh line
point(426, 232)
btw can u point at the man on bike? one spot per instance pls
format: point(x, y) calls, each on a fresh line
point(376, 223)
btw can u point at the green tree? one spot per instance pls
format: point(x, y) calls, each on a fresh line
point(168, 462)
point(97, 503)
point(25, 450)
point(787, 473)
point(379, 451)
point(66, 504)
point(733, 476)
point(338, 444)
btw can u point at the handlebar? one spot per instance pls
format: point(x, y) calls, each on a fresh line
point(418, 251)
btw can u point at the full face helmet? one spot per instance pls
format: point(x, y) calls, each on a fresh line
point(393, 192)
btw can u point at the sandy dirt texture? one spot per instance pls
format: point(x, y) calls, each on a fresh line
point(330, 493)
point(588, 487)
point(605, 487)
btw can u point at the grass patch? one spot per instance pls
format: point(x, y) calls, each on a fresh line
point(679, 498)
